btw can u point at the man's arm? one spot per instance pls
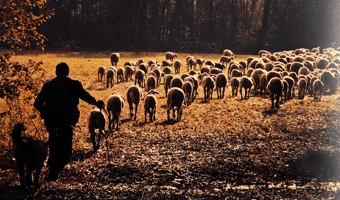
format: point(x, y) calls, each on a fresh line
point(40, 100)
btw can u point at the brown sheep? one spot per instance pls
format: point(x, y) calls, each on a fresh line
point(275, 87)
point(208, 85)
point(184, 75)
point(205, 68)
point(192, 62)
point(152, 62)
point(96, 120)
point(194, 81)
point(151, 83)
point(140, 78)
point(176, 82)
point(140, 61)
point(295, 67)
point(235, 73)
point(234, 84)
point(143, 66)
point(211, 63)
point(167, 81)
point(177, 66)
point(120, 74)
point(249, 71)
point(158, 73)
point(225, 59)
point(246, 83)
point(175, 100)
point(129, 71)
point(303, 71)
point(227, 52)
point(272, 74)
point(134, 95)
point(114, 106)
point(263, 84)
point(269, 66)
point(215, 70)
point(302, 87)
point(200, 62)
point(317, 89)
point(167, 70)
point(285, 89)
point(259, 65)
point(170, 56)
point(329, 81)
point(187, 60)
point(291, 84)
point(188, 90)
point(322, 63)
point(109, 77)
point(150, 104)
point(167, 63)
point(220, 83)
point(101, 73)
point(243, 66)
point(114, 57)
point(256, 75)
point(193, 72)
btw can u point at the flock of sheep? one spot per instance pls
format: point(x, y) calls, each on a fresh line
point(313, 72)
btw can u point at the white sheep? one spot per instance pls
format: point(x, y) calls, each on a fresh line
point(114, 106)
point(150, 103)
point(134, 95)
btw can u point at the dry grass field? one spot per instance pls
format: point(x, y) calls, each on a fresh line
point(229, 148)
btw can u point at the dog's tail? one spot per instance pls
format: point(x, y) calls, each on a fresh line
point(16, 133)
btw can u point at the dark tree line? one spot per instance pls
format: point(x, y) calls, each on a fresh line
point(208, 26)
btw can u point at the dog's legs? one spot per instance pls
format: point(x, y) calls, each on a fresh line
point(29, 175)
point(21, 170)
point(36, 179)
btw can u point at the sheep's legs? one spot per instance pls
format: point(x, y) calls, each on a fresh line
point(136, 111)
point(93, 140)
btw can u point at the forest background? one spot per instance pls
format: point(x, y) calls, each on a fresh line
point(199, 26)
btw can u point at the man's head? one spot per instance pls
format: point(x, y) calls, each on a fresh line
point(62, 69)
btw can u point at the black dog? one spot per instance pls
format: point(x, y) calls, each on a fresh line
point(29, 151)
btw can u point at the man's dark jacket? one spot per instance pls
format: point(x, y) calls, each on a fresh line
point(59, 97)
